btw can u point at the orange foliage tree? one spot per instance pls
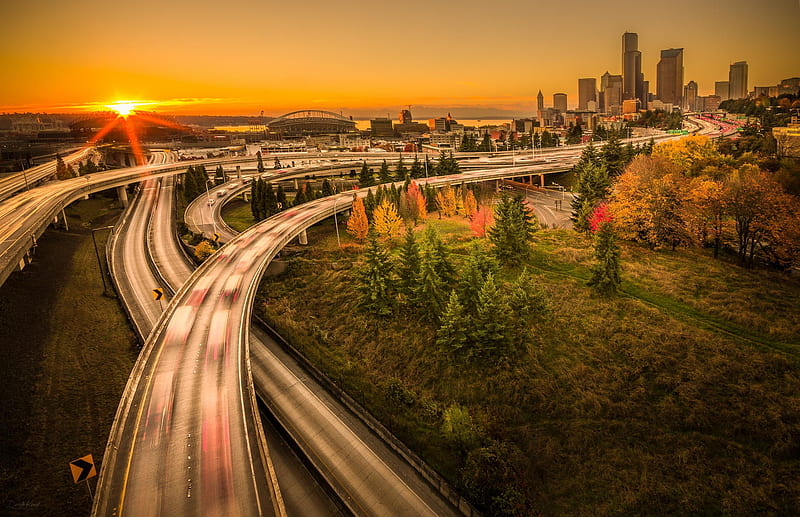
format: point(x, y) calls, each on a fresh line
point(470, 203)
point(446, 201)
point(386, 220)
point(357, 223)
point(481, 221)
point(689, 153)
point(416, 203)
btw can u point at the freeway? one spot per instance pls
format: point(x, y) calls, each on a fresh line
point(28, 178)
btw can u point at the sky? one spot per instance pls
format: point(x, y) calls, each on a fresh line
point(476, 59)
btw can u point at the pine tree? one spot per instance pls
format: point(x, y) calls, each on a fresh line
point(365, 178)
point(327, 189)
point(451, 338)
point(357, 223)
point(486, 143)
point(513, 230)
point(592, 187)
point(430, 291)
point(439, 254)
point(613, 156)
point(408, 267)
point(492, 332)
point(376, 285)
point(219, 175)
point(254, 200)
point(260, 162)
point(606, 272)
point(61, 168)
point(280, 197)
point(528, 303)
point(383, 173)
point(370, 203)
point(417, 170)
point(401, 172)
point(301, 196)
point(189, 185)
point(270, 202)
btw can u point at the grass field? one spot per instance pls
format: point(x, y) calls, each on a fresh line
point(681, 396)
point(65, 357)
point(238, 215)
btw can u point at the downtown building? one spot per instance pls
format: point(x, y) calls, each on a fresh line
point(737, 80)
point(633, 83)
point(587, 94)
point(669, 77)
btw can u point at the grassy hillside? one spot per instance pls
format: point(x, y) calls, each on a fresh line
point(681, 396)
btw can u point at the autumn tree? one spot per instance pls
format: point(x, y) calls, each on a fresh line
point(357, 223)
point(203, 250)
point(416, 203)
point(606, 270)
point(470, 204)
point(386, 220)
point(446, 201)
point(689, 154)
point(513, 229)
point(704, 211)
point(376, 284)
point(481, 221)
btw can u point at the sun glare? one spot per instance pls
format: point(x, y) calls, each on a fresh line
point(123, 108)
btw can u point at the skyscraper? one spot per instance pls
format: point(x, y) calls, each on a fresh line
point(737, 79)
point(560, 102)
point(539, 104)
point(611, 94)
point(587, 91)
point(690, 97)
point(632, 77)
point(722, 89)
point(669, 80)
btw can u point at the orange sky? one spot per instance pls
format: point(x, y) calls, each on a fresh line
point(367, 58)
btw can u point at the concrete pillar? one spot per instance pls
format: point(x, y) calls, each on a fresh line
point(541, 180)
point(22, 263)
point(238, 172)
point(64, 218)
point(296, 184)
point(303, 238)
point(123, 196)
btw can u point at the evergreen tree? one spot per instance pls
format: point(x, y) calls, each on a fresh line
point(370, 203)
point(451, 338)
point(479, 265)
point(417, 170)
point(260, 162)
point(438, 254)
point(528, 303)
point(301, 196)
point(513, 230)
point(468, 144)
point(401, 173)
point(280, 197)
point(365, 178)
point(219, 175)
point(189, 185)
point(376, 285)
point(61, 168)
point(270, 201)
point(430, 290)
point(383, 173)
point(327, 189)
point(606, 272)
point(486, 143)
point(613, 156)
point(429, 169)
point(593, 186)
point(408, 267)
point(491, 333)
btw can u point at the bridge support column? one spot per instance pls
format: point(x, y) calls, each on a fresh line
point(64, 218)
point(303, 238)
point(123, 196)
point(296, 184)
point(239, 172)
point(541, 180)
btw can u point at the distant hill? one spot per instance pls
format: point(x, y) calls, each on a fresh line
point(220, 120)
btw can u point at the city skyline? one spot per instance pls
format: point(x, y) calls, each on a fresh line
point(366, 60)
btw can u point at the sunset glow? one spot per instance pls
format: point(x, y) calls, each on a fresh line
point(123, 108)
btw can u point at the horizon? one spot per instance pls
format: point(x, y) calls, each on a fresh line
point(482, 63)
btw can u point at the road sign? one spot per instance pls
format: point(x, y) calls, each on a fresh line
point(82, 468)
point(216, 237)
point(158, 294)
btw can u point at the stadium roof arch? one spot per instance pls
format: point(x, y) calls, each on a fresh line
point(311, 122)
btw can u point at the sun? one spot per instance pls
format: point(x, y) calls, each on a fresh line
point(123, 108)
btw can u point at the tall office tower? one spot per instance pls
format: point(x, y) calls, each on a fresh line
point(690, 97)
point(722, 89)
point(737, 77)
point(611, 86)
point(539, 104)
point(669, 80)
point(560, 102)
point(631, 66)
point(587, 91)
point(646, 97)
point(405, 116)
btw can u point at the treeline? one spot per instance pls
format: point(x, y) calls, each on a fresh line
point(659, 119)
point(689, 194)
point(771, 111)
point(510, 142)
point(266, 201)
point(445, 165)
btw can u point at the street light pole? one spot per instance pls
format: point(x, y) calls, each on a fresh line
point(336, 222)
point(97, 254)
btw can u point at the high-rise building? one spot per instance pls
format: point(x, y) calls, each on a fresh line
point(381, 127)
point(737, 77)
point(690, 97)
point(790, 86)
point(722, 89)
point(539, 104)
point(611, 94)
point(405, 117)
point(669, 76)
point(587, 92)
point(560, 102)
point(632, 76)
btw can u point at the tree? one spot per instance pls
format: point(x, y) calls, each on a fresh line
point(689, 154)
point(451, 337)
point(280, 197)
point(705, 211)
point(439, 254)
point(478, 267)
point(416, 169)
point(613, 156)
point(528, 302)
point(357, 223)
point(592, 186)
point(606, 271)
point(269, 201)
point(219, 175)
point(446, 201)
point(386, 221)
point(430, 292)
point(513, 229)
point(468, 144)
point(61, 168)
point(408, 267)
point(260, 162)
point(491, 334)
point(481, 221)
point(383, 173)
point(457, 427)
point(327, 189)
point(416, 203)
point(470, 204)
point(365, 178)
point(401, 172)
point(376, 285)
point(486, 143)
point(203, 250)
